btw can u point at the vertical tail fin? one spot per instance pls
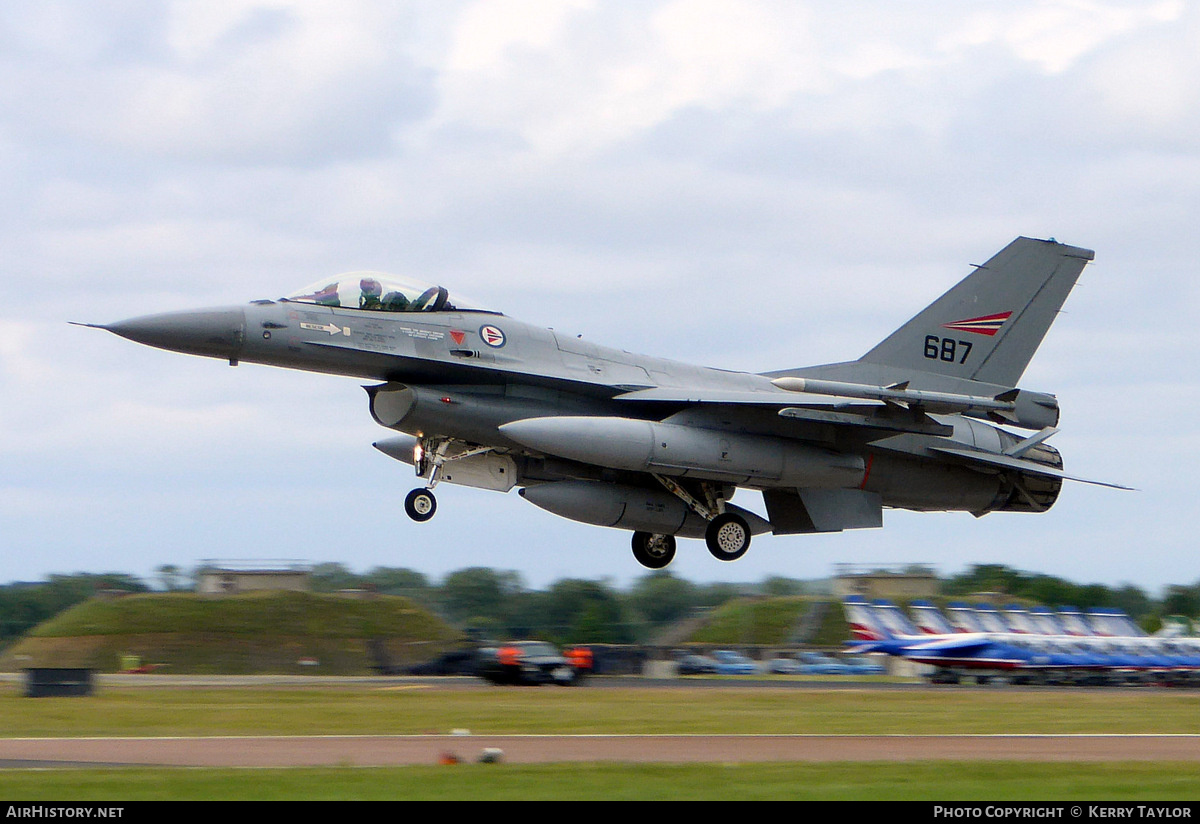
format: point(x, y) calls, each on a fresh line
point(988, 327)
point(1074, 622)
point(1112, 621)
point(1047, 621)
point(964, 618)
point(894, 620)
point(1019, 620)
point(930, 620)
point(862, 621)
point(990, 618)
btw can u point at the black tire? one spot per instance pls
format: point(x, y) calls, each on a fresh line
point(420, 505)
point(727, 536)
point(653, 551)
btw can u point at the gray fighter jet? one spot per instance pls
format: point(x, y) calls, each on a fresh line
point(658, 447)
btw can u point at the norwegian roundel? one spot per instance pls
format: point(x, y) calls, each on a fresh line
point(492, 336)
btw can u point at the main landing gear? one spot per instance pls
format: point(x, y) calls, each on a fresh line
point(727, 534)
point(653, 551)
point(429, 456)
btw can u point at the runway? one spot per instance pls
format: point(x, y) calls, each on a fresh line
point(394, 750)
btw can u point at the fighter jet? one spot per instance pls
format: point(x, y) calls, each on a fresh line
point(599, 435)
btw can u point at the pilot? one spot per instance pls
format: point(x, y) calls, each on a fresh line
point(325, 296)
point(370, 290)
point(395, 302)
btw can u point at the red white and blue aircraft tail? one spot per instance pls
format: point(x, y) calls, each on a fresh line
point(1019, 620)
point(1113, 622)
point(894, 620)
point(930, 619)
point(860, 616)
point(963, 618)
point(1074, 623)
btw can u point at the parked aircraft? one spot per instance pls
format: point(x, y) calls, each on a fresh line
point(881, 627)
point(966, 647)
point(658, 447)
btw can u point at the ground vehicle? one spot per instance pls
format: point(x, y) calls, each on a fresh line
point(525, 662)
point(783, 666)
point(863, 665)
point(690, 663)
point(734, 663)
point(816, 663)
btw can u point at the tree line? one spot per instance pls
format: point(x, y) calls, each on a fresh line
point(493, 603)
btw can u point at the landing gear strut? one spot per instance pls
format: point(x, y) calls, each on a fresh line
point(429, 455)
point(653, 551)
point(727, 534)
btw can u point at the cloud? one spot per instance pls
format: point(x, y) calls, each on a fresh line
point(261, 84)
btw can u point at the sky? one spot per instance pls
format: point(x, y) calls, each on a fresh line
point(746, 185)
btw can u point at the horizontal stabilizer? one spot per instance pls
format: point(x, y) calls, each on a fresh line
point(991, 459)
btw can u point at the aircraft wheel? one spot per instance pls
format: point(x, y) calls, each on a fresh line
point(653, 551)
point(727, 536)
point(420, 505)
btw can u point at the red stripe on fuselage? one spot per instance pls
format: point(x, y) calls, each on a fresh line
point(867, 472)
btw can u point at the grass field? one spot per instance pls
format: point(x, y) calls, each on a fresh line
point(362, 708)
point(929, 781)
point(418, 708)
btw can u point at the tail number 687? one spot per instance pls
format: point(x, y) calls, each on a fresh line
point(947, 349)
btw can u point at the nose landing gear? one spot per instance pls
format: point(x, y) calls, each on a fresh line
point(420, 505)
point(429, 455)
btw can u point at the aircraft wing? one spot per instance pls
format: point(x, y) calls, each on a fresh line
point(974, 457)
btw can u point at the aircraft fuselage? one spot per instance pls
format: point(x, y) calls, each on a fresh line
point(656, 446)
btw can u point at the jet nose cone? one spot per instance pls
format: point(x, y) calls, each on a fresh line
point(216, 333)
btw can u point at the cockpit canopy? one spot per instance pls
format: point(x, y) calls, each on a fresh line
point(381, 293)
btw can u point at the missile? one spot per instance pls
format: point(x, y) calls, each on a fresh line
point(627, 507)
point(898, 393)
point(1030, 410)
point(687, 451)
